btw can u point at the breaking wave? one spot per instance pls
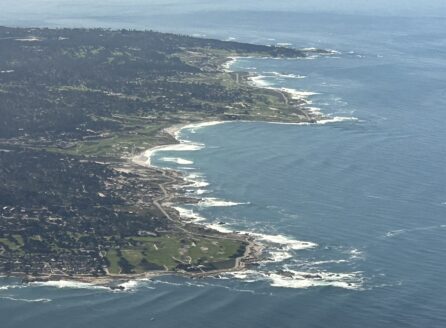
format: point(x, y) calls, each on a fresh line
point(216, 202)
point(36, 300)
point(68, 284)
point(289, 278)
point(177, 160)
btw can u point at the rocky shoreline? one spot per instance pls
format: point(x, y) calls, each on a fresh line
point(173, 195)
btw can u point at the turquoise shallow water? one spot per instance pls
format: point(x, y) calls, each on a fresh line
point(356, 208)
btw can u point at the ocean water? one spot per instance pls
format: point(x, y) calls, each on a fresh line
point(354, 209)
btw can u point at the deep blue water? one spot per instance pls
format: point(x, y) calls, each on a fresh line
point(368, 195)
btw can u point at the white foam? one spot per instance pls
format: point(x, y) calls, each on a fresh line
point(195, 126)
point(336, 119)
point(129, 285)
point(332, 51)
point(216, 202)
point(259, 81)
point(286, 76)
point(37, 300)
point(177, 160)
point(298, 279)
point(283, 240)
point(197, 184)
point(297, 94)
point(194, 176)
point(227, 65)
point(356, 254)
point(314, 110)
point(327, 120)
point(195, 180)
point(183, 145)
point(279, 256)
point(10, 287)
point(132, 285)
point(329, 262)
point(248, 275)
point(68, 284)
point(394, 233)
point(29, 39)
point(186, 213)
point(145, 158)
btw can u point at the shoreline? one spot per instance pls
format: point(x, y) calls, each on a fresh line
point(252, 253)
point(300, 99)
point(254, 246)
point(144, 192)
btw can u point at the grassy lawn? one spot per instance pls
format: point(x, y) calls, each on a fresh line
point(19, 240)
point(15, 245)
point(118, 144)
point(170, 250)
point(113, 258)
point(12, 245)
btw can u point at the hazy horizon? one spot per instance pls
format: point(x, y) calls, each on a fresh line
point(21, 11)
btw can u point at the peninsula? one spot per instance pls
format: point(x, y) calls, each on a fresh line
point(75, 106)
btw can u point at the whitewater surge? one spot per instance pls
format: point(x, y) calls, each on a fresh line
point(263, 80)
point(227, 65)
point(177, 160)
point(285, 241)
point(195, 180)
point(130, 285)
point(326, 120)
point(135, 284)
point(289, 278)
point(285, 75)
point(260, 81)
point(193, 127)
point(216, 202)
point(286, 276)
point(68, 284)
point(145, 158)
point(188, 214)
point(297, 279)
